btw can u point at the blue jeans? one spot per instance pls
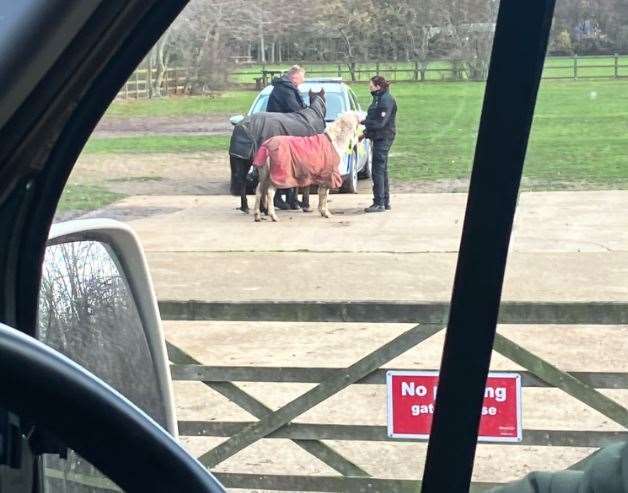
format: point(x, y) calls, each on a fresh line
point(381, 194)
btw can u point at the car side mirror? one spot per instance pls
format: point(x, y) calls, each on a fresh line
point(98, 314)
point(97, 306)
point(236, 119)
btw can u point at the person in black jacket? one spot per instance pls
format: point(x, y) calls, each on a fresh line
point(381, 129)
point(286, 98)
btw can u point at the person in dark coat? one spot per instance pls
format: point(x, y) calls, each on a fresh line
point(381, 129)
point(286, 98)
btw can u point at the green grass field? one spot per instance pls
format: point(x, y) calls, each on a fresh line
point(156, 144)
point(83, 198)
point(579, 137)
point(226, 103)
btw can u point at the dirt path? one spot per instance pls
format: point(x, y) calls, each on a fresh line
point(199, 173)
point(163, 125)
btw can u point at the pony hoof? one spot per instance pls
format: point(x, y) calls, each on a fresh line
point(307, 209)
point(274, 218)
point(257, 218)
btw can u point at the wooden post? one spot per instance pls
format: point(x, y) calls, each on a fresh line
point(126, 90)
point(575, 66)
point(137, 85)
point(339, 71)
point(416, 71)
point(616, 65)
point(377, 68)
point(149, 78)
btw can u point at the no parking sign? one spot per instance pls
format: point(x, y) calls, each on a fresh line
point(412, 394)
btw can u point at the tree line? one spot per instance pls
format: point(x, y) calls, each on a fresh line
point(213, 37)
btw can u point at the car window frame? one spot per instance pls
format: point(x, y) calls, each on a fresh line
point(517, 59)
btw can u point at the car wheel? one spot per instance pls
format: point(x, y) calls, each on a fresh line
point(351, 181)
point(367, 171)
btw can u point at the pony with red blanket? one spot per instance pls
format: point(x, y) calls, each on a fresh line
point(299, 162)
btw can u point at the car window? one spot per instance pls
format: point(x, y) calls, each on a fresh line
point(260, 104)
point(335, 104)
point(74, 475)
point(568, 227)
point(353, 101)
point(161, 154)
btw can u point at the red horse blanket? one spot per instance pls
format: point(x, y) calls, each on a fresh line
point(300, 161)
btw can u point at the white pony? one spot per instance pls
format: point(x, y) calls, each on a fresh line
point(288, 162)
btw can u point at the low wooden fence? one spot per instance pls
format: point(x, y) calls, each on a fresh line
point(141, 85)
point(430, 319)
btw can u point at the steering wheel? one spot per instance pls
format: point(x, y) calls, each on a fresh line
point(94, 420)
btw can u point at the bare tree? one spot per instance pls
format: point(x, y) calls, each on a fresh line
point(352, 20)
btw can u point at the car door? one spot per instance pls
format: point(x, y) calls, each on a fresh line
point(61, 64)
point(364, 147)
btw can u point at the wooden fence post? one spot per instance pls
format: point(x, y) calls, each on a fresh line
point(377, 68)
point(339, 71)
point(137, 85)
point(416, 71)
point(149, 78)
point(616, 65)
point(575, 66)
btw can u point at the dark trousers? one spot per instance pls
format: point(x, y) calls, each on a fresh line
point(381, 194)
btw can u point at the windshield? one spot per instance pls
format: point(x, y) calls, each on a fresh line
point(335, 104)
point(336, 314)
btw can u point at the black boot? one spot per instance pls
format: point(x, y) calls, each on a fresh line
point(279, 202)
point(375, 208)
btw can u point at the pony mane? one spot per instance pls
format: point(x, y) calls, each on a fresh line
point(344, 127)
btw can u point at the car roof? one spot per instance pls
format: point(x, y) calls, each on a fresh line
point(329, 84)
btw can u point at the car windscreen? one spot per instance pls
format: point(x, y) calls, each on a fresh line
point(335, 104)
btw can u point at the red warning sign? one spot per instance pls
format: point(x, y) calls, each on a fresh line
point(412, 394)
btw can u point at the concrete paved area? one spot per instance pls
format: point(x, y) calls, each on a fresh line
point(566, 246)
point(570, 246)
